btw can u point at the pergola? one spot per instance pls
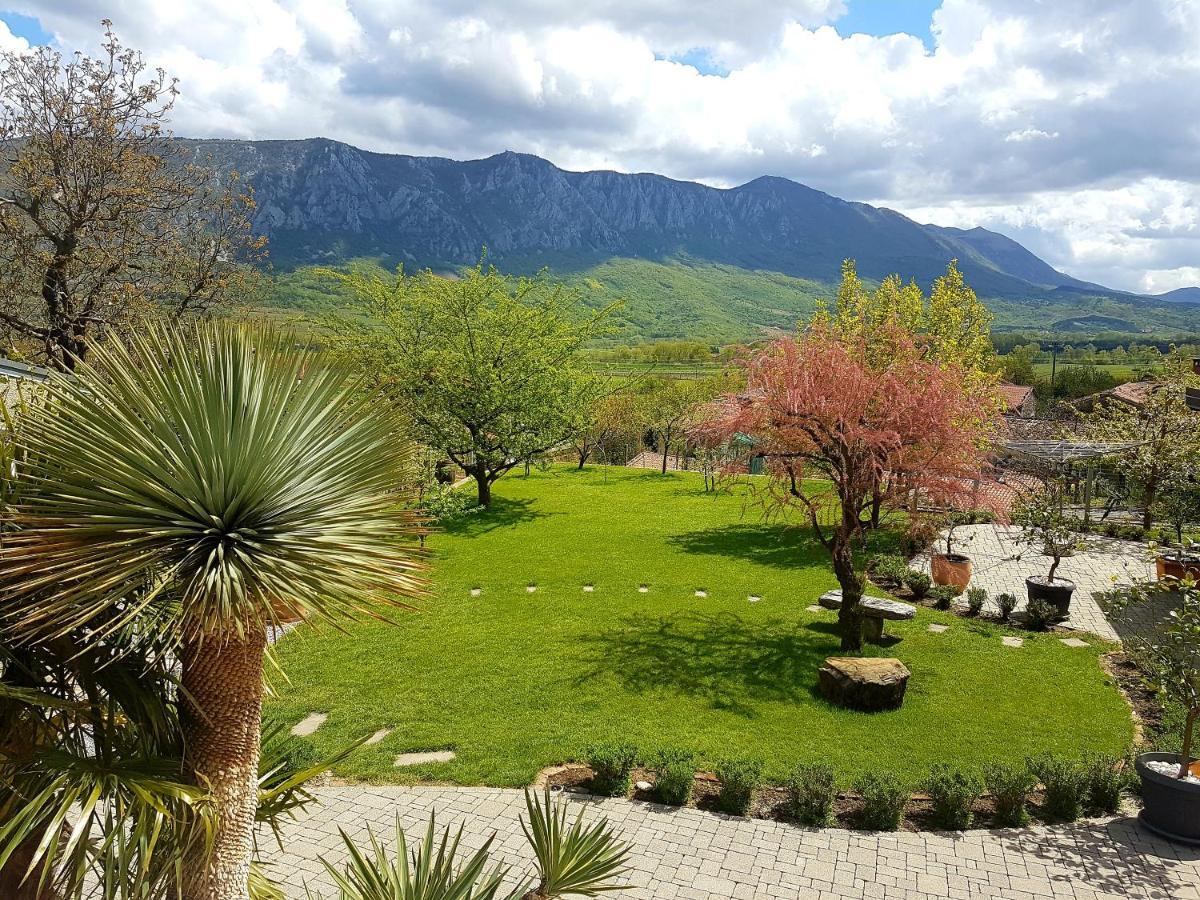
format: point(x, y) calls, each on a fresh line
point(1061, 453)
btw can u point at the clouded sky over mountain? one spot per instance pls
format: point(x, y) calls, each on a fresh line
point(1070, 125)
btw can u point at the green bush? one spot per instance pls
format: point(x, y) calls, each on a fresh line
point(1065, 782)
point(943, 595)
point(811, 792)
point(1131, 533)
point(1039, 614)
point(1007, 603)
point(739, 778)
point(611, 764)
point(976, 597)
point(887, 567)
point(917, 582)
point(883, 799)
point(1106, 779)
point(674, 773)
point(953, 793)
point(1010, 786)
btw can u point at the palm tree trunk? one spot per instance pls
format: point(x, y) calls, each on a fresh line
point(222, 713)
point(14, 885)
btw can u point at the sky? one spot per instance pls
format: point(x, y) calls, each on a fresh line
point(1072, 126)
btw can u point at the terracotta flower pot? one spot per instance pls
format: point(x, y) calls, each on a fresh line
point(951, 569)
point(1177, 567)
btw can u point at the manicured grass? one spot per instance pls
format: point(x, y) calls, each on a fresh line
point(515, 681)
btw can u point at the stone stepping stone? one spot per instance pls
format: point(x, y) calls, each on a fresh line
point(754, 598)
point(1012, 641)
point(530, 588)
point(377, 737)
point(475, 592)
point(643, 589)
point(1073, 642)
point(431, 756)
point(588, 588)
point(939, 629)
point(814, 608)
point(309, 724)
point(701, 593)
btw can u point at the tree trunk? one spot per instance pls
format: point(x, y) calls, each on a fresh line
point(13, 883)
point(222, 721)
point(1148, 513)
point(484, 486)
point(850, 618)
point(1185, 752)
point(583, 458)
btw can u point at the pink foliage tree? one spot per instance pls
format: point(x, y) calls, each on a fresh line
point(837, 434)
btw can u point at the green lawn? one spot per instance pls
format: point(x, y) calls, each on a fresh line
point(516, 681)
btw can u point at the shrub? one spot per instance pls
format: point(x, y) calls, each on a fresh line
point(883, 799)
point(976, 597)
point(917, 582)
point(811, 792)
point(887, 567)
point(943, 595)
point(1039, 614)
point(954, 793)
point(612, 764)
point(1065, 783)
point(443, 504)
point(739, 779)
point(1131, 532)
point(1010, 786)
point(674, 771)
point(920, 535)
point(1105, 781)
point(1007, 603)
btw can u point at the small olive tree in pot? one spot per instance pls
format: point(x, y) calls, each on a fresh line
point(1045, 527)
point(1171, 781)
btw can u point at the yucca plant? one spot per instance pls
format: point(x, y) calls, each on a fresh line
point(574, 861)
point(199, 484)
point(430, 871)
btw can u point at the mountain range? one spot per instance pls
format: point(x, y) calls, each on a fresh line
point(321, 201)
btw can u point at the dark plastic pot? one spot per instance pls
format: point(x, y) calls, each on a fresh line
point(1170, 807)
point(1057, 592)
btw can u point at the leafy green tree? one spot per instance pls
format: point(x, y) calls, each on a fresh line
point(195, 486)
point(1163, 432)
point(1017, 367)
point(604, 413)
point(487, 367)
point(669, 405)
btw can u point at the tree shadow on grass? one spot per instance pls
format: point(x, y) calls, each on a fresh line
point(719, 657)
point(502, 513)
point(777, 545)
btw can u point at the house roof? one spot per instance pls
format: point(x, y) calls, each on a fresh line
point(12, 373)
point(1133, 393)
point(1014, 395)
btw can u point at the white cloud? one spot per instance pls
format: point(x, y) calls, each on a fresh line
point(1065, 125)
point(9, 41)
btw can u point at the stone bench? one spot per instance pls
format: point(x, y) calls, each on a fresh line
point(875, 611)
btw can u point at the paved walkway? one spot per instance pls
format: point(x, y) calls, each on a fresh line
point(693, 855)
point(1001, 565)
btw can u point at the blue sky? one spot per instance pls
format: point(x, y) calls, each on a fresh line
point(26, 27)
point(882, 17)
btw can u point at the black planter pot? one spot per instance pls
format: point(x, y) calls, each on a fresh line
point(1170, 807)
point(1057, 592)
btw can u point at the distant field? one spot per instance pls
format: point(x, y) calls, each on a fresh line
point(1121, 372)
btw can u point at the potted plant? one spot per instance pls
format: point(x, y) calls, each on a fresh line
point(950, 568)
point(1178, 507)
point(1171, 781)
point(1045, 525)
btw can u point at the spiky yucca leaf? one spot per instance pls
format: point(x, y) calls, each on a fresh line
point(571, 861)
point(430, 872)
point(220, 466)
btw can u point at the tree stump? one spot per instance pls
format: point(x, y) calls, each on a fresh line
point(865, 684)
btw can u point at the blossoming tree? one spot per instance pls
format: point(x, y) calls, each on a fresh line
point(835, 432)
